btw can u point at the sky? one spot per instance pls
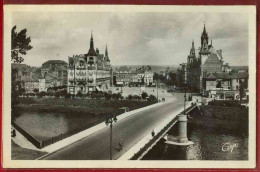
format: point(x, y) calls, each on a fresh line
point(132, 38)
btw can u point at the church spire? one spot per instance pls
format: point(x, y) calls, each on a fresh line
point(91, 42)
point(192, 50)
point(91, 51)
point(204, 29)
point(106, 54)
point(204, 36)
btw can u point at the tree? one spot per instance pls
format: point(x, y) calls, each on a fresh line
point(129, 97)
point(144, 95)
point(20, 44)
point(155, 76)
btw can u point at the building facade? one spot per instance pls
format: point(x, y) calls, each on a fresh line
point(124, 76)
point(89, 72)
point(205, 71)
point(57, 70)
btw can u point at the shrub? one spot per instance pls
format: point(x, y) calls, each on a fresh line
point(144, 95)
point(63, 92)
point(152, 97)
point(79, 94)
point(119, 96)
point(42, 93)
point(57, 94)
point(68, 95)
point(107, 96)
point(225, 103)
point(114, 96)
point(129, 97)
point(136, 97)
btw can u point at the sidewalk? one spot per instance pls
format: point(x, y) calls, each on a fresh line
point(21, 141)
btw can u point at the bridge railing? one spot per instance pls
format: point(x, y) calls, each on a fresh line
point(159, 134)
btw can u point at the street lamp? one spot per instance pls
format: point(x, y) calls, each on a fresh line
point(184, 99)
point(157, 90)
point(109, 121)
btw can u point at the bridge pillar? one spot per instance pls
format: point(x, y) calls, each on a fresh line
point(181, 139)
point(182, 120)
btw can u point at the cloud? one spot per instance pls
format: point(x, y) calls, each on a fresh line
point(133, 38)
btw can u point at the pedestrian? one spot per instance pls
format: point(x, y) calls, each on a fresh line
point(153, 133)
point(120, 144)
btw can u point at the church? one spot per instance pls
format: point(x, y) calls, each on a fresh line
point(203, 61)
point(89, 72)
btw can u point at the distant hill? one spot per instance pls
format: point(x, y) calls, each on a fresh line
point(155, 68)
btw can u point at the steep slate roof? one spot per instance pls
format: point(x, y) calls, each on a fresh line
point(212, 60)
point(91, 51)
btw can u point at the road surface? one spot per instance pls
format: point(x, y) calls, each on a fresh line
point(131, 129)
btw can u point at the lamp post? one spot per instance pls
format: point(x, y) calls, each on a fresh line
point(109, 121)
point(157, 90)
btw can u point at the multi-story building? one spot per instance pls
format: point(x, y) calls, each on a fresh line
point(55, 69)
point(89, 72)
point(205, 70)
point(125, 76)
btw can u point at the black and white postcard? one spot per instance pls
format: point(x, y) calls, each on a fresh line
point(129, 86)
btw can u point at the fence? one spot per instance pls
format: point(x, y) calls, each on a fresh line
point(65, 135)
point(44, 143)
point(156, 137)
point(33, 140)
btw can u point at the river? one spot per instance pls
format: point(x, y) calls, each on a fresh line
point(209, 144)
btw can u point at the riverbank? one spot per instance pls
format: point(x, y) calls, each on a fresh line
point(223, 119)
point(92, 107)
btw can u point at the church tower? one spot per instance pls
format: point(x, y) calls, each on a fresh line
point(204, 50)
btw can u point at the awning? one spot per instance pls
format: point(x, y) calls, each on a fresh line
point(98, 88)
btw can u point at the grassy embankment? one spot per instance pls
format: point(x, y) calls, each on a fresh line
point(78, 105)
point(222, 118)
point(19, 153)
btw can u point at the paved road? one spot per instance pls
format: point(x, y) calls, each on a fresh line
point(131, 130)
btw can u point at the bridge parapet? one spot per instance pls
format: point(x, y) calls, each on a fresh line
point(144, 146)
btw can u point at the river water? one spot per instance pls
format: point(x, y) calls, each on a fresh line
point(209, 144)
